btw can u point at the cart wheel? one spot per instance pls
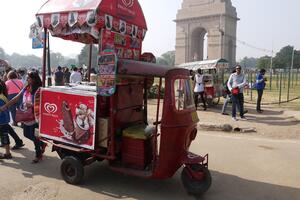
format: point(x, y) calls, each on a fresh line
point(72, 170)
point(195, 186)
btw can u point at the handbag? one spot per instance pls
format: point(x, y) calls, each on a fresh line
point(235, 91)
point(24, 115)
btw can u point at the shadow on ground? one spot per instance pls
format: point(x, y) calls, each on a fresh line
point(101, 180)
point(43, 168)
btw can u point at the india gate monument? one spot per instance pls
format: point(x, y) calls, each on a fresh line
point(198, 19)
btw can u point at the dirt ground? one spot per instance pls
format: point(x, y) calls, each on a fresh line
point(277, 135)
point(275, 122)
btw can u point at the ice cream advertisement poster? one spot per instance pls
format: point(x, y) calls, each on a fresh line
point(68, 118)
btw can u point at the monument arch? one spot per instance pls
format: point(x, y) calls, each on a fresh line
point(215, 18)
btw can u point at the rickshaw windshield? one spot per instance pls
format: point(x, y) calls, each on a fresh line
point(183, 94)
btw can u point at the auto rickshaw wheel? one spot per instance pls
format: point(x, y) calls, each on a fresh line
point(196, 186)
point(71, 170)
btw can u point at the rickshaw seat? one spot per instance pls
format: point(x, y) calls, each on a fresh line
point(140, 131)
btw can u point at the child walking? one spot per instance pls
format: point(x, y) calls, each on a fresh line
point(4, 122)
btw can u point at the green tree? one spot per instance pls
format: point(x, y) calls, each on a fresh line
point(264, 62)
point(83, 57)
point(2, 54)
point(167, 58)
point(56, 59)
point(283, 58)
point(248, 62)
point(29, 61)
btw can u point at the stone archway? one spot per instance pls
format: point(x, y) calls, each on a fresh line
point(217, 18)
point(197, 44)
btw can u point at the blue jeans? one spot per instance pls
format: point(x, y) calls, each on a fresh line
point(13, 108)
point(237, 101)
point(28, 132)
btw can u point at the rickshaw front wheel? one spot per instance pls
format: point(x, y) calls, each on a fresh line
point(71, 170)
point(196, 185)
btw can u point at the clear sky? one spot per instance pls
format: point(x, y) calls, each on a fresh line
point(264, 24)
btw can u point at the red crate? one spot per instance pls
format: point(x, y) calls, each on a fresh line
point(136, 153)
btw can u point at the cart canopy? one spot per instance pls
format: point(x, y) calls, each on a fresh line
point(83, 20)
point(206, 64)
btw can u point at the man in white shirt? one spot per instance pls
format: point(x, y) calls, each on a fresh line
point(75, 76)
point(199, 88)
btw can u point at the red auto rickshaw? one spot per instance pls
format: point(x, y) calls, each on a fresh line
point(111, 119)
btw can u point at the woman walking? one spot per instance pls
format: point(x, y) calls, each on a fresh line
point(27, 96)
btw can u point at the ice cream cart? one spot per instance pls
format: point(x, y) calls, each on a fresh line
point(213, 71)
point(110, 121)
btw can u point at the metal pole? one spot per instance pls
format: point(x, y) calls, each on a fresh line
point(44, 58)
point(292, 63)
point(48, 61)
point(277, 79)
point(271, 70)
point(280, 87)
point(289, 85)
point(90, 63)
point(297, 77)
point(251, 97)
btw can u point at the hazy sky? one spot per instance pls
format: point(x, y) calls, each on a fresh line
point(264, 24)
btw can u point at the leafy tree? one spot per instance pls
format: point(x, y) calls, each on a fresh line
point(56, 59)
point(264, 62)
point(2, 54)
point(167, 58)
point(17, 60)
point(283, 58)
point(83, 57)
point(248, 62)
point(161, 61)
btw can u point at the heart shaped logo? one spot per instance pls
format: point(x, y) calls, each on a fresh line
point(50, 108)
point(128, 3)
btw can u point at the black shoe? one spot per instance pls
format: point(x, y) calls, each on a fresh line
point(18, 146)
point(259, 111)
point(5, 156)
point(225, 114)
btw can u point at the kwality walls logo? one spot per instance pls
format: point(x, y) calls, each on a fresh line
point(126, 7)
point(50, 108)
point(128, 3)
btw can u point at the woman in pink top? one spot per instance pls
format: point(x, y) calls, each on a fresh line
point(14, 86)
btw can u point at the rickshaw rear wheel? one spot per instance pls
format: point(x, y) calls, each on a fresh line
point(193, 186)
point(71, 170)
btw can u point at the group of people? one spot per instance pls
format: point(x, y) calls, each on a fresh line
point(234, 88)
point(14, 94)
point(235, 92)
point(63, 76)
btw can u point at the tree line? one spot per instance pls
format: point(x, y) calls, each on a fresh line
point(282, 59)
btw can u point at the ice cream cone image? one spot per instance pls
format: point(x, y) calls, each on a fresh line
point(83, 122)
point(68, 123)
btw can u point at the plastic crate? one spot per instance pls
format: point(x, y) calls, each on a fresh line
point(136, 153)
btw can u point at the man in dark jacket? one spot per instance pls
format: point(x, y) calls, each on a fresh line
point(59, 77)
point(260, 86)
